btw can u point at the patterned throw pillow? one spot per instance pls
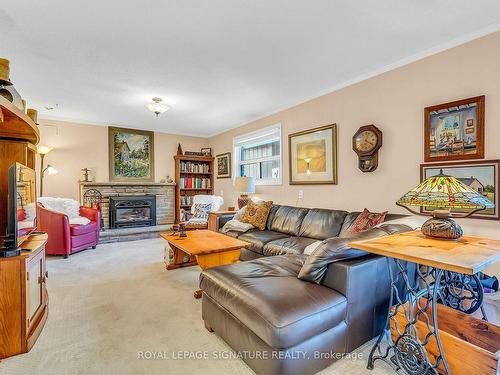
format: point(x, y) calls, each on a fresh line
point(256, 214)
point(366, 220)
point(201, 210)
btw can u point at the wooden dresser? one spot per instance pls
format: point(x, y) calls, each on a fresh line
point(23, 297)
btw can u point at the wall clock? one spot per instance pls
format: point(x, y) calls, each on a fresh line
point(366, 142)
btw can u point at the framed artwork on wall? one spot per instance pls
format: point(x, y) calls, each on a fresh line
point(223, 164)
point(313, 156)
point(481, 175)
point(455, 130)
point(131, 155)
point(206, 151)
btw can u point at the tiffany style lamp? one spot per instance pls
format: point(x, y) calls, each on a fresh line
point(444, 193)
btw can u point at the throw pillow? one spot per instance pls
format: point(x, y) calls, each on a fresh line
point(366, 220)
point(256, 214)
point(201, 210)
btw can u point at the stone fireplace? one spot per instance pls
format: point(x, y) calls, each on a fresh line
point(161, 194)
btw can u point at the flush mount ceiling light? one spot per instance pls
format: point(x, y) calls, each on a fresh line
point(157, 107)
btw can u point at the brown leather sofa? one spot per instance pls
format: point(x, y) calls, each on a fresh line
point(282, 324)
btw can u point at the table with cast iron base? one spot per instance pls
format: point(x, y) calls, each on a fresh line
point(446, 274)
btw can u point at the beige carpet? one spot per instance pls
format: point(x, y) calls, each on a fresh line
point(109, 304)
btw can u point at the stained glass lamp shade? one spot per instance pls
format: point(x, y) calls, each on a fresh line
point(444, 193)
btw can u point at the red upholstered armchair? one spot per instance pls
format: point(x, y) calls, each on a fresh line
point(65, 238)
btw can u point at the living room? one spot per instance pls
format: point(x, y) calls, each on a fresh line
point(224, 187)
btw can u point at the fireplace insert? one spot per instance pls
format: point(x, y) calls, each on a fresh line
point(132, 211)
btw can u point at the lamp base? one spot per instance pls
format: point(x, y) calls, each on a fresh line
point(243, 200)
point(442, 227)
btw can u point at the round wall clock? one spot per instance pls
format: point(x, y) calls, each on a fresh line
point(366, 142)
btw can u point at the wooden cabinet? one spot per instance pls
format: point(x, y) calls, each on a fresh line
point(23, 297)
point(18, 137)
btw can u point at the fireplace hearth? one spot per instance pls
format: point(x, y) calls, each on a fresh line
point(132, 211)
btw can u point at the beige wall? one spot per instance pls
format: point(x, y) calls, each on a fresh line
point(394, 102)
point(78, 146)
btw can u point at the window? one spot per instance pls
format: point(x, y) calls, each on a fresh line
point(258, 154)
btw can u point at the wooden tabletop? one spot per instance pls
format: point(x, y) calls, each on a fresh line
point(467, 255)
point(200, 242)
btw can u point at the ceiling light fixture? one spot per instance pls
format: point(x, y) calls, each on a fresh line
point(157, 107)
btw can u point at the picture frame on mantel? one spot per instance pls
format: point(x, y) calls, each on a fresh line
point(131, 155)
point(313, 156)
point(454, 130)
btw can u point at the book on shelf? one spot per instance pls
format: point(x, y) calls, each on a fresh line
point(186, 200)
point(191, 167)
point(195, 183)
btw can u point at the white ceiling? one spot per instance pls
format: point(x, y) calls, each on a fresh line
point(217, 63)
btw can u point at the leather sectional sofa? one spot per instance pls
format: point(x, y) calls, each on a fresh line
point(289, 313)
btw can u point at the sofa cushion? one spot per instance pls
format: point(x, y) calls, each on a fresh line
point(267, 297)
point(348, 220)
point(336, 249)
point(321, 224)
point(272, 213)
point(287, 245)
point(258, 238)
point(78, 230)
point(288, 220)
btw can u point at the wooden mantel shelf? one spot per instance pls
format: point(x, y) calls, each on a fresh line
point(15, 124)
point(126, 183)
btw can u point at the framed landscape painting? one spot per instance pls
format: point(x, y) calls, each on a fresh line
point(455, 130)
point(313, 156)
point(481, 175)
point(223, 165)
point(131, 155)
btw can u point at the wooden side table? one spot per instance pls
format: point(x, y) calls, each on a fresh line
point(214, 216)
point(449, 279)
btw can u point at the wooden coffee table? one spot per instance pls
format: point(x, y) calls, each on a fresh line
point(205, 248)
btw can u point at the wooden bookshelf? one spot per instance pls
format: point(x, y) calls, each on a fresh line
point(194, 175)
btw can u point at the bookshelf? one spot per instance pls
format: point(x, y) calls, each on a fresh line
point(194, 175)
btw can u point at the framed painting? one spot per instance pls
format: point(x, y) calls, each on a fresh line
point(481, 175)
point(131, 155)
point(455, 130)
point(313, 156)
point(223, 164)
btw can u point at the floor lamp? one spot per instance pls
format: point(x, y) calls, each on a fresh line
point(44, 150)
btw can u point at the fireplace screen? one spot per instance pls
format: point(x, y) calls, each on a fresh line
point(133, 214)
point(132, 211)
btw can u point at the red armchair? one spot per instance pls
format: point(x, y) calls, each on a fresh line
point(65, 238)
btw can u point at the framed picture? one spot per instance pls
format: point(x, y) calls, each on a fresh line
point(131, 155)
point(481, 175)
point(313, 156)
point(206, 151)
point(223, 163)
point(455, 130)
